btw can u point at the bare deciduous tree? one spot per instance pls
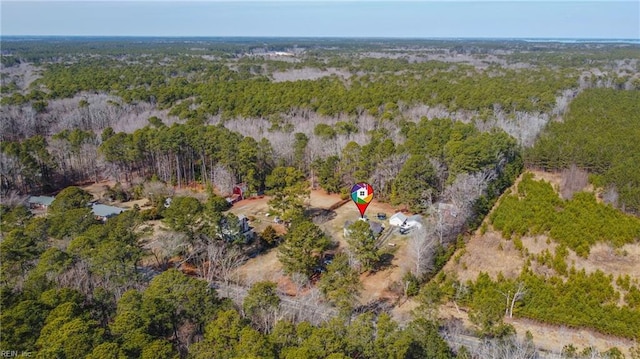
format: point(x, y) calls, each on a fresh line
point(216, 259)
point(166, 246)
point(422, 245)
point(385, 172)
point(467, 188)
point(101, 111)
point(12, 199)
point(300, 280)
point(518, 294)
point(156, 190)
point(462, 193)
point(574, 179)
point(507, 348)
point(223, 179)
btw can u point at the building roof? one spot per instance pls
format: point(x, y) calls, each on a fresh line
point(415, 218)
point(102, 210)
point(41, 200)
point(376, 227)
point(401, 217)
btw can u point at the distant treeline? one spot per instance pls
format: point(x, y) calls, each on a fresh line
point(197, 88)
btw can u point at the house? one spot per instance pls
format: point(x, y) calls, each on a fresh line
point(414, 221)
point(376, 228)
point(40, 202)
point(402, 221)
point(104, 212)
point(243, 222)
point(398, 219)
point(230, 234)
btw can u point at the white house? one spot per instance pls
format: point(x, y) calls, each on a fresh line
point(229, 233)
point(397, 219)
point(414, 221)
point(401, 220)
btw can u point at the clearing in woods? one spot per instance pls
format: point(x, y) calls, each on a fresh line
point(267, 267)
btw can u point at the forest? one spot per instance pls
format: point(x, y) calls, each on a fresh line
point(600, 135)
point(429, 124)
point(577, 223)
point(551, 300)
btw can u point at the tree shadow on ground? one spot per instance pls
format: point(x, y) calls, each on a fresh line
point(383, 263)
point(320, 215)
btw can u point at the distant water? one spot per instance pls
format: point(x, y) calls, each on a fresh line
point(587, 41)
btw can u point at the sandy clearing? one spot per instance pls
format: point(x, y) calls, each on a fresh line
point(621, 261)
point(264, 267)
point(555, 178)
point(320, 199)
point(98, 189)
point(483, 254)
point(308, 73)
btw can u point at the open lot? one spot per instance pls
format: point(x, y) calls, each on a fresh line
point(267, 267)
point(98, 189)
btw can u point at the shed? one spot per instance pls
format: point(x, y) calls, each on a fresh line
point(376, 228)
point(103, 212)
point(240, 189)
point(40, 201)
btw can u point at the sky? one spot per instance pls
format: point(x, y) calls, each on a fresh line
point(398, 19)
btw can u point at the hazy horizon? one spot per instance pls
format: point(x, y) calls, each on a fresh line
point(328, 19)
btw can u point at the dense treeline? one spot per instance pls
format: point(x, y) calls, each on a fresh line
point(415, 173)
point(558, 53)
point(580, 55)
point(37, 50)
point(577, 223)
point(220, 87)
point(62, 323)
point(600, 134)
